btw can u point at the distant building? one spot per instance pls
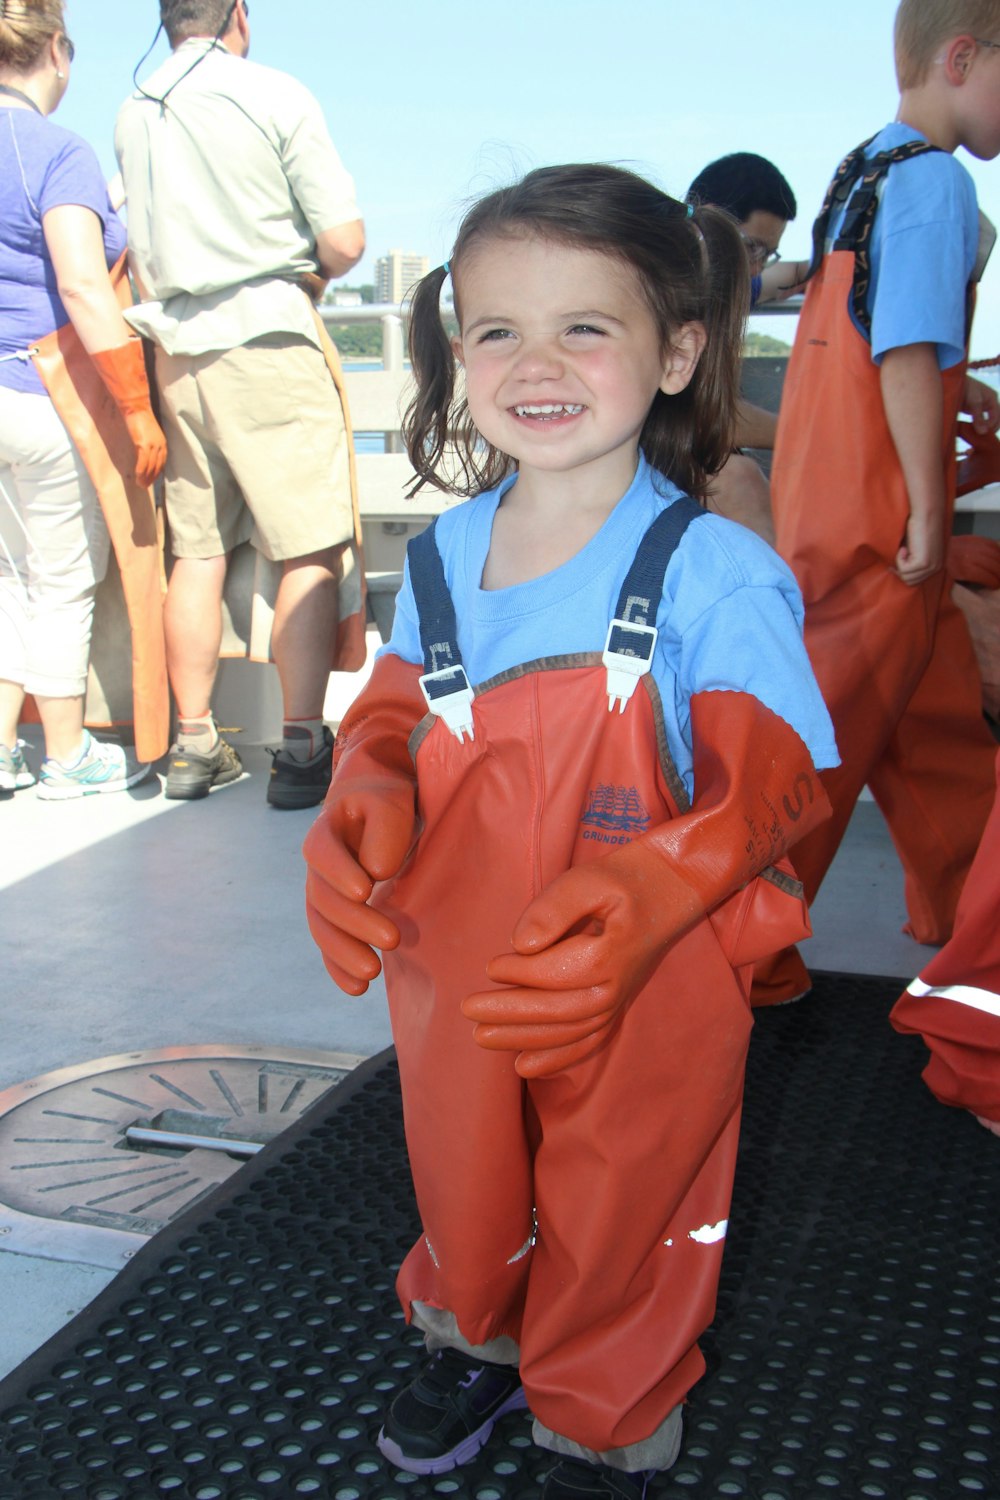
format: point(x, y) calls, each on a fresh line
point(396, 273)
point(344, 299)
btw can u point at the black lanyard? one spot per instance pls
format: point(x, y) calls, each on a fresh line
point(16, 94)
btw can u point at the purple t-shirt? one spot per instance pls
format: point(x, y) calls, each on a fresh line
point(42, 166)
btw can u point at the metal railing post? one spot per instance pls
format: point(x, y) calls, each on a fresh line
point(392, 360)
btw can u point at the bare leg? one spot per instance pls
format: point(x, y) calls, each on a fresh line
point(193, 622)
point(62, 721)
point(305, 618)
point(741, 493)
point(11, 703)
point(981, 608)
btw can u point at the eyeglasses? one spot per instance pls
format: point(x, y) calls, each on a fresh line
point(982, 42)
point(70, 49)
point(759, 252)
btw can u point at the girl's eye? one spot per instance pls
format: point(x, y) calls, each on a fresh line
point(493, 335)
point(587, 328)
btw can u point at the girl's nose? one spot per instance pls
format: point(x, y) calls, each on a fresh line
point(540, 360)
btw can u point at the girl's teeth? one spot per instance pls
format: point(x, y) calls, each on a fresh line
point(547, 411)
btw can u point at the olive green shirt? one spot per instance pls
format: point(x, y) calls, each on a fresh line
point(227, 185)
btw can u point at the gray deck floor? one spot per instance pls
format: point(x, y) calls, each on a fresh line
point(131, 923)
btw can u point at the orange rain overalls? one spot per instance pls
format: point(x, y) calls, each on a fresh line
point(95, 424)
point(625, 1160)
point(955, 1004)
point(894, 662)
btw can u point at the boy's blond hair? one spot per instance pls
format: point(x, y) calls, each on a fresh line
point(923, 25)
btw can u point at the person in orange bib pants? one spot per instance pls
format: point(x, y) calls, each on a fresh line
point(555, 810)
point(863, 488)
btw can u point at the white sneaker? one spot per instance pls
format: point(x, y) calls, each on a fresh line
point(14, 771)
point(101, 768)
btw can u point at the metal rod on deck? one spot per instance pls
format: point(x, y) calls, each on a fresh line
point(138, 1135)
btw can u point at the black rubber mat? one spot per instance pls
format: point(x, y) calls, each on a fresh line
point(248, 1351)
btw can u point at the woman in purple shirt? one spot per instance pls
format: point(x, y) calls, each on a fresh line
point(58, 237)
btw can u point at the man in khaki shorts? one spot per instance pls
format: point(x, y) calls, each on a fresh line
point(235, 193)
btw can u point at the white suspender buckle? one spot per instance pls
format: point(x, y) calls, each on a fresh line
point(628, 655)
point(448, 694)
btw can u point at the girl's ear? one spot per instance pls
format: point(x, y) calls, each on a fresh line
point(456, 348)
point(682, 358)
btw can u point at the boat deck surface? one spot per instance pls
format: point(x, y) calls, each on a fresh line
point(132, 923)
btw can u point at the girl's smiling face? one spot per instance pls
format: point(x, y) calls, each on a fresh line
point(562, 355)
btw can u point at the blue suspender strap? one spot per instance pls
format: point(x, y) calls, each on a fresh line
point(435, 611)
point(631, 639)
point(856, 227)
point(642, 590)
point(444, 684)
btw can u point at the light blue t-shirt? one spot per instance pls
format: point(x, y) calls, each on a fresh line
point(923, 251)
point(42, 166)
point(730, 616)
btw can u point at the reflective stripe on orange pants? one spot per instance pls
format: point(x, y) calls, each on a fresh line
point(955, 1004)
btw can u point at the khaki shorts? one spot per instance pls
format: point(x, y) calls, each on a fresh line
point(256, 450)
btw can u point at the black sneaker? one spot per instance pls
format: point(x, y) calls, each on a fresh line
point(191, 775)
point(575, 1479)
point(445, 1416)
point(301, 783)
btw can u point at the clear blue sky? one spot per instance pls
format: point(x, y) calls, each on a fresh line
point(434, 102)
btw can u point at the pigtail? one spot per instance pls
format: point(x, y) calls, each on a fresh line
point(443, 443)
point(727, 309)
point(710, 401)
point(426, 422)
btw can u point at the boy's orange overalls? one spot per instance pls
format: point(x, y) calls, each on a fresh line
point(894, 662)
point(624, 1161)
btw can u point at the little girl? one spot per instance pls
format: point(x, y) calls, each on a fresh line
point(594, 725)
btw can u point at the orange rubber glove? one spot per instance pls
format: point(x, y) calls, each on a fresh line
point(123, 371)
point(587, 945)
point(366, 826)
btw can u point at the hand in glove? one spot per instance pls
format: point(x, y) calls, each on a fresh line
point(123, 371)
point(582, 951)
point(366, 825)
point(587, 944)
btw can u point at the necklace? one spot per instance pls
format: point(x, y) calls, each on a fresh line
point(16, 94)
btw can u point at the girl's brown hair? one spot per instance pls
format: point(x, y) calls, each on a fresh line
point(26, 27)
point(691, 267)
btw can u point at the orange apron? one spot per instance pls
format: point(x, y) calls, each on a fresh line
point(955, 1004)
point(98, 431)
point(894, 663)
point(623, 1161)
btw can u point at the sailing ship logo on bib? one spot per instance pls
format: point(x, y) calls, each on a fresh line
point(614, 814)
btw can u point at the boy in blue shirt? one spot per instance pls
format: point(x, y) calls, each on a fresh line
point(863, 481)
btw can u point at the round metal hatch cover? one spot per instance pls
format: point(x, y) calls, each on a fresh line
point(96, 1158)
